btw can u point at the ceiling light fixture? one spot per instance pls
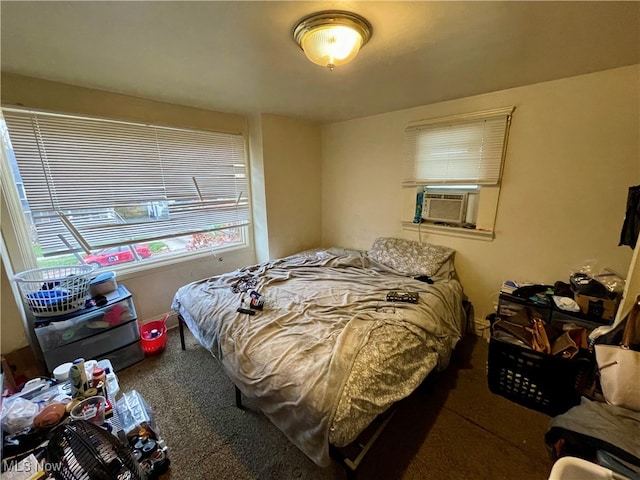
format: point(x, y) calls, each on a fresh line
point(333, 37)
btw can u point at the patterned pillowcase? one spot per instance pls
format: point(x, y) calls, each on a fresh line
point(409, 257)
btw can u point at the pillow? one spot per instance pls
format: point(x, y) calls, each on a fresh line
point(409, 257)
point(447, 271)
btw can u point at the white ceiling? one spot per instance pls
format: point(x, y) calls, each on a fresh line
point(240, 57)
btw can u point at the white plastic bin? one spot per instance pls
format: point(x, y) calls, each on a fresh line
point(573, 468)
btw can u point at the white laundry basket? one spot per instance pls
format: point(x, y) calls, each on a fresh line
point(573, 468)
point(55, 291)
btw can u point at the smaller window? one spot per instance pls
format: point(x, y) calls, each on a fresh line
point(456, 150)
point(454, 168)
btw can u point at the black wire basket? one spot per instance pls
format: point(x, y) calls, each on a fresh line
point(80, 450)
point(546, 383)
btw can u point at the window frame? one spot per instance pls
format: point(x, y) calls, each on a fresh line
point(18, 250)
point(412, 186)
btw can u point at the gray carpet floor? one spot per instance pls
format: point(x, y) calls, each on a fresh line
point(451, 427)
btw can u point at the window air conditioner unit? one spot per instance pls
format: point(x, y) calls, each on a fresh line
point(445, 206)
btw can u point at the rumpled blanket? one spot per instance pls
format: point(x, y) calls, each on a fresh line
point(321, 309)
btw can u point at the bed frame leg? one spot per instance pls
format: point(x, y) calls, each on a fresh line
point(181, 327)
point(238, 397)
point(351, 465)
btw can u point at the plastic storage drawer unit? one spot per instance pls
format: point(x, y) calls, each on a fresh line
point(509, 305)
point(560, 318)
point(89, 347)
point(58, 331)
point(126, 356)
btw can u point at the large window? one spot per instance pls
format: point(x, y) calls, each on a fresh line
point(450, 162)
point(110, 193)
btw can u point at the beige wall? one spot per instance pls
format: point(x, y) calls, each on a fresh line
point(291, 156)
point(285, 178)
point(574, 149)
point(12, 334)
point(288, 170)
point(60, 97)
point(260, 223)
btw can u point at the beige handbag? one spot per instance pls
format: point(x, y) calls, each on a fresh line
point(619, 366)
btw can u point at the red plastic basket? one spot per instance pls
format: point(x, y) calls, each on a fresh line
point(153, 335)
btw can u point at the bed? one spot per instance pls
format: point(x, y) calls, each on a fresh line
point(328, 353)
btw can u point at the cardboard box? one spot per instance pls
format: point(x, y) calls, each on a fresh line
point(595, 307)
point(18, 367)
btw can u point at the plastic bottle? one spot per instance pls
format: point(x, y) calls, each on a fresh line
point(100, 381)
point(112, 381)
point(78, 378)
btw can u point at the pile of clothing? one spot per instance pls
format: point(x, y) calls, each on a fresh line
point(600, 433)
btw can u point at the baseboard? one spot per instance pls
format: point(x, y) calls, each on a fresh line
point(480, 327)
point(172, 321)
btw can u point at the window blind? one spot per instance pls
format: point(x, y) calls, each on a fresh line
point(99, 183)
point(468, 149)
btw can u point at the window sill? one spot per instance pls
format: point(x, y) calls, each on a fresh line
point(165, 264)
point(486, 235)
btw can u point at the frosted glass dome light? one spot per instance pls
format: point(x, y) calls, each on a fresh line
point(332, 38)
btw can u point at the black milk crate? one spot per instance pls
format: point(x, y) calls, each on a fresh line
point(535, 380)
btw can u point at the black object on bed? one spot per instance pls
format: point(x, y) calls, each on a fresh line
point(328, 354)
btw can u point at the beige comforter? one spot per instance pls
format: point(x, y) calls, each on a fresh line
point(309, 358)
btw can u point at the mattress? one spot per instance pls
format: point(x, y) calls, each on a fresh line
point(328, 353)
